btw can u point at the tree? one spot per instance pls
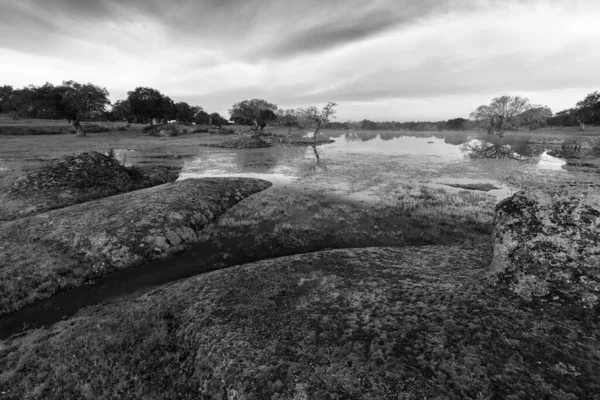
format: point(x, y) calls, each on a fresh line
point(456, 124)
point(288, 118)
point(501, 112)
point(265, 118)
point(185, 112)
point(82, 101)
point(202, 118)
point(5, 94)
point(319, 118)
point(148, 104)
point(587, 111)
point(536, 117)
point(217, 119)
point(249, 112)
point(121, 110)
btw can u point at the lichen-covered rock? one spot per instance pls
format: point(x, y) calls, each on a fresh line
point(138, 226)
point(74, 179)
point(547, 246)
point(100, 236)
point(569, 149)
point(370, 323)
point(244, 142)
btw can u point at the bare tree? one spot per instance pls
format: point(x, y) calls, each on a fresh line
point(318, 118)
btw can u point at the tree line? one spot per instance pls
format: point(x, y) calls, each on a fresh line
point(75, 102)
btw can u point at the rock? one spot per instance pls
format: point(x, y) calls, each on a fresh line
point(569, 149)
point(547, 247)
point(244, 142)
point(118, 232)
point(76, 178)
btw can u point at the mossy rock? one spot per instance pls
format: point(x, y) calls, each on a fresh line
point(74, 179)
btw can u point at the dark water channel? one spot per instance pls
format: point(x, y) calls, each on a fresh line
point(131, 282)
point(278, 164)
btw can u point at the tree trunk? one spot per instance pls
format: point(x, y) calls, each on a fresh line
point(78, 128)
point(317, 129)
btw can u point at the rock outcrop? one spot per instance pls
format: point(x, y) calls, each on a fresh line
point(547, 247)
point(371, 323)
point(568, 148)
point(118, 232)
point(74, 179)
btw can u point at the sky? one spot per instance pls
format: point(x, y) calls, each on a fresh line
point(401, 60)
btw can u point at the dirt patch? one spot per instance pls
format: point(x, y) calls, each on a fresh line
point(74, 179)
point(75, 244)
point(373, 323)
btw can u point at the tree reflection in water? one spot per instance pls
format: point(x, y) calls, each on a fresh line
point(481, 149)
point(318, 163)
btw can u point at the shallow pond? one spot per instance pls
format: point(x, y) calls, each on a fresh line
point(366, 166)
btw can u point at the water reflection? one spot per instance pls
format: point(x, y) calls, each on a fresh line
point(481, 149)
point(547, 162)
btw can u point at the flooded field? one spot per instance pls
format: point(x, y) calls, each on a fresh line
point(368, 166)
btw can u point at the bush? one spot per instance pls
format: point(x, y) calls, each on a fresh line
point(94, 128)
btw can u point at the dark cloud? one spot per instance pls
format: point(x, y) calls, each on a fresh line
point(333, 33)
point(252, 28)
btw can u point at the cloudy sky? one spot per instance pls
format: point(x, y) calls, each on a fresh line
point(397, 60)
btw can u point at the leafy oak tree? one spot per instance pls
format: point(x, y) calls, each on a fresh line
point(250, 112)
point(82, 101)
point(536, 117)
point(587, 110)
point(121, 110)
point(148, 104)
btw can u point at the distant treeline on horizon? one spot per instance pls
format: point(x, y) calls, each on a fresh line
point(74, 102)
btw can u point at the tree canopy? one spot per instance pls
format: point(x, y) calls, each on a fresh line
point(83, 101)
point(249, 112)
point(501, 112)
point(456, 124)
point(534, 118)
point(147, 104)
